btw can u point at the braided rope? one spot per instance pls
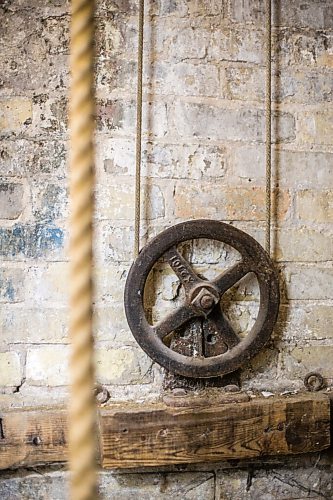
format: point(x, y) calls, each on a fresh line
point(268, 106)
point(138, 132)
point(81, 121)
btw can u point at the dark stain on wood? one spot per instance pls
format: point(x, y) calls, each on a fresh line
point(2, 435)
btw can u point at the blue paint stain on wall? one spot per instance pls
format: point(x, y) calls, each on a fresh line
point(7, 290)
point(9, 293)
point(30, 240)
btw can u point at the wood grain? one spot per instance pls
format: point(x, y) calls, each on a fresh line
point(153, 436)
point(33, 436)
point(142, 435)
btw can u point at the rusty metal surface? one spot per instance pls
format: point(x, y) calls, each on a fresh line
point(314, 381)
point(219, 350)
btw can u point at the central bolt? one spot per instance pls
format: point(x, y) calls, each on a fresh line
point(206, 301)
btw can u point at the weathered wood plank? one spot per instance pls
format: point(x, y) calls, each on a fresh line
point(32, 436)
point(158, 435)
point(153, 435)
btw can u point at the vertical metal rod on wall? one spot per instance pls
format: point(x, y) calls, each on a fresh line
point(138, 144)
point(268, 115)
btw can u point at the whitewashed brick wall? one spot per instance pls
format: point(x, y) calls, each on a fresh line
point(203, 156)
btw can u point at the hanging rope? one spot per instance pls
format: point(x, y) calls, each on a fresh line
point(81, 123)
point(268, 106)
point(138, 132)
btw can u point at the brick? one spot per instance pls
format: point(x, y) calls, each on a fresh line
point(120, 115)
point(49, 201)
point(306, 14)
point(104, 277)
point(241, 316)
point(207, 38)
point(49, 157)
point(122, 6)
point(111, 324)
point(296, 169)
point(305, 87)
point(116, 243)
point(165, 8)
point(315, 206)
point(171, 78)
point(174, 161)
point(16, 30)
point(49, 116)
point(123, 366)
point(214, 253)
point(189, 8)
point(311, 49)
point(212, 122)
point(276, 482)
point(152, 486)
point(306, 169)
point(116, 202)
point(117, 74)
point(189, 42)
point(47, 365)
point(247, 11)
point(182, 8)
point(309, 283)
point(48, 284)
point(30, 241)
point(246, 45)
point(15, 114)
point(162, 486)
point(37, 74)
point(295, 14)
point(243, 83)
point(186, 161)
point(305, 322)
point(33, 325)
point(10, 369)
point(115, 156)
point(303, 245)
point(246, 83)
point(305, 359)
point(207, 7)
point(11, 200)
point(117, 35)
point(11, 285)
point(186, 79)
point(315, 127)
point(225, 204)
point(55, 33)
point(22, 157)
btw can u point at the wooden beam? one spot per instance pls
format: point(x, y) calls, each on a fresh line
point(133, 435)
point(32, 436)
point(157, 435)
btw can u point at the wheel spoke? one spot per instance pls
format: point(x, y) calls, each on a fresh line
point(181, 267)
point(221, 323)
point(230, 277)
point(173, 321)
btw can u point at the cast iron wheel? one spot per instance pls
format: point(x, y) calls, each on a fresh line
point(202, 299)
